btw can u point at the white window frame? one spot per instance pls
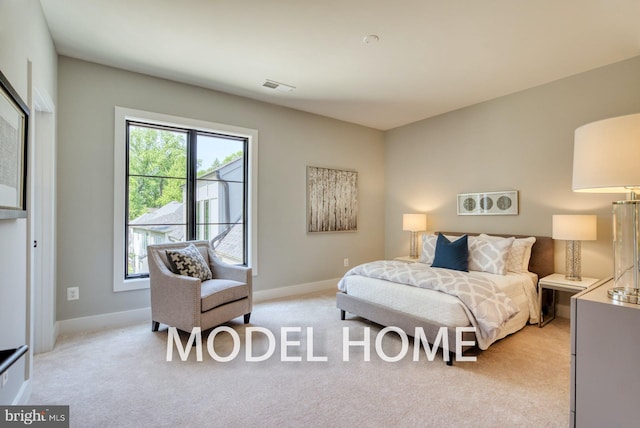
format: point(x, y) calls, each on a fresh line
point(119, 171)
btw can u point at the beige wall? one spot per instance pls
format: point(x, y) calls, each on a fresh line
point(289, 140)
point(523, 142)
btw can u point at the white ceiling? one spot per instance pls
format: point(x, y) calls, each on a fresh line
point(433, 56)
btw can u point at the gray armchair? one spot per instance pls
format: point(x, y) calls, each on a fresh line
point(185, 302)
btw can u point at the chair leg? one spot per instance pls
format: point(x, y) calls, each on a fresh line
point(247, 317)
point(342, 315)
point(155, 325)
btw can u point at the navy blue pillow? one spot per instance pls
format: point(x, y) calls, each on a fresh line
point(452, 255)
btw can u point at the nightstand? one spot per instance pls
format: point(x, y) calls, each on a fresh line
point(407, 259)
point(557, 282)
point(605, 381)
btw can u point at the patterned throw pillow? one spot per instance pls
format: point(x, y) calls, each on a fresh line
point(188, 261)
point(519, 254)
point(428, 248)
point(489, 255)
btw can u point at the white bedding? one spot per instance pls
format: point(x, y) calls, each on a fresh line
point(435, 306)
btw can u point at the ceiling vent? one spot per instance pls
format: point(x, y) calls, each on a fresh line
point(278, 86)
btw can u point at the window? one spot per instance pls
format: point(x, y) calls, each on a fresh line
point(178, 179)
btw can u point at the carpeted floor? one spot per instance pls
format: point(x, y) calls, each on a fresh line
point(120, 378)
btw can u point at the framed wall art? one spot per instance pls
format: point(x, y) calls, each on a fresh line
point(488, 203)
point(14, 119)
point(332, 200)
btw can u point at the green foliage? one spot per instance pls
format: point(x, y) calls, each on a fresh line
point(159, 153)
point(155, 153)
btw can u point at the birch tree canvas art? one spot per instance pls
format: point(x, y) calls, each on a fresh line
point(332, 200)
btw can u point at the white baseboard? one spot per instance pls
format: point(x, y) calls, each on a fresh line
point(120, 319)
point(99, 322)
point(24, 394)
point(295, 290)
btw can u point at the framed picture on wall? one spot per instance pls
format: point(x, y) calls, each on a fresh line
point(14, 120)
point(332, 200)
point(488, 203)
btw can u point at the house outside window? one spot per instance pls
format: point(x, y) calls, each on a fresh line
point(182, 183)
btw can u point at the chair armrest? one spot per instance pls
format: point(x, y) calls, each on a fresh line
point(220, 269)
point(159, 268)
point(175, 299)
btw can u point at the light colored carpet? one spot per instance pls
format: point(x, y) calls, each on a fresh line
point(120, 378)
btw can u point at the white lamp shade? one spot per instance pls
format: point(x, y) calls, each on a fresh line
point(414, 222)
point(606, 155)
point(575, 227)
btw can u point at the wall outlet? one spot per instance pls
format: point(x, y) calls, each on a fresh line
point(5, 378)
point(346, 262)
point(73, 293)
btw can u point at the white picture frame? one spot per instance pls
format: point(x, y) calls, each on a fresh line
point(488, 203)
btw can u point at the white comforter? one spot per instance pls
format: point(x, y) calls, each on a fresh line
point(488, 305)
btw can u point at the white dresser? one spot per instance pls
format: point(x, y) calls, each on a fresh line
point(605, 355)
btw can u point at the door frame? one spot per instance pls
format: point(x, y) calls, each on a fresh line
point(42, 222)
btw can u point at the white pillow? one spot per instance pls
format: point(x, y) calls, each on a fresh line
point(522, 246)
point(428, 249)
point(489, 255)
point(519, 254)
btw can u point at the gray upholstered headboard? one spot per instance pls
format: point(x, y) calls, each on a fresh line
point(541, 262)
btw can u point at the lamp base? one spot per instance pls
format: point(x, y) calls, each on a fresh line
point(626, 295)
point(413, 247)
point(626, 250)
point(573, 264)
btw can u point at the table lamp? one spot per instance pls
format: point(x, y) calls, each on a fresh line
point(606, 159)
point(414, 223)
point(574, 229)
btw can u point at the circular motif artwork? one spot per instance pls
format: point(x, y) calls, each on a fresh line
point(504, 203)
point(486, 203)
point(469, 204)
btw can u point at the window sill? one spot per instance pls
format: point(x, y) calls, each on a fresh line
point(131, 284)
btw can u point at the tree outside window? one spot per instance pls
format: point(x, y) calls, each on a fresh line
point(184, 184)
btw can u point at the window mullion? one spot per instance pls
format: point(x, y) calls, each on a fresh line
point(245, 203)
point(192, 168)
point(127, 237)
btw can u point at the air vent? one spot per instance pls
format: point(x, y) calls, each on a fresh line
point(269, 84)
point(278, 86)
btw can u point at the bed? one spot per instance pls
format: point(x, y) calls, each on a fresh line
point(386, 292)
